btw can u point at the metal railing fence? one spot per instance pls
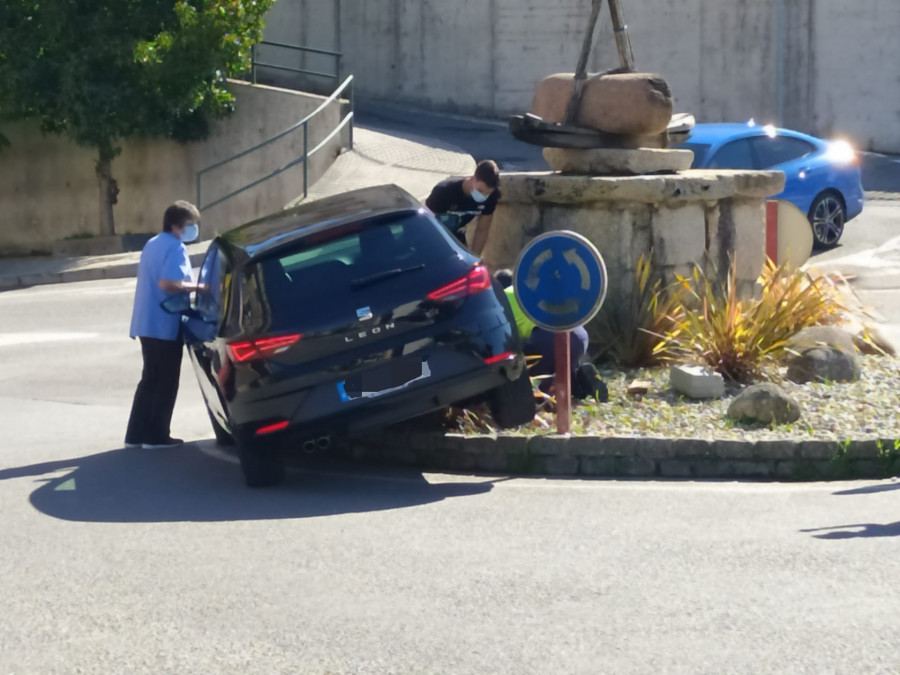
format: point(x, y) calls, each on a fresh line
point(256, 64)
point(302, 125)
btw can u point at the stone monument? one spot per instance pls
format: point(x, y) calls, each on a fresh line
point(615, 179)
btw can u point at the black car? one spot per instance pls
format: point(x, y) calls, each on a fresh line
point(351, 312)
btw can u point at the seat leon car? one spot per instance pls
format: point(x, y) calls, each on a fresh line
point(351, 312)
point(822, 178)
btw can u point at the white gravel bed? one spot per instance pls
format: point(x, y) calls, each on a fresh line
point(867, 409)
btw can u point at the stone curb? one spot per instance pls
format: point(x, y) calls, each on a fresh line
point(627, 457)
point(118, 270)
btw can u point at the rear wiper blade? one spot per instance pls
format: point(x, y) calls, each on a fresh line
point(381, 276)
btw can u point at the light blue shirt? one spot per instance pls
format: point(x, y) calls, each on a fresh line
point(163, 257)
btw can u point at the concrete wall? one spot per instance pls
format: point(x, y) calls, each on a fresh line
point(836, 61)
point(312, 24)
point(49, 191)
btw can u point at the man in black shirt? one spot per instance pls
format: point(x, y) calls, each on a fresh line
point(457, 201)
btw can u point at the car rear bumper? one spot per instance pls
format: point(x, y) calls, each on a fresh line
point(385, 410)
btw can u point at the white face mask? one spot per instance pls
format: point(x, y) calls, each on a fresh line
point(190, 233)
point(477, 196)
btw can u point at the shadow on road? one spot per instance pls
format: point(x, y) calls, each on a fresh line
point(185, 484)
point(856, 531)
point(870, 489)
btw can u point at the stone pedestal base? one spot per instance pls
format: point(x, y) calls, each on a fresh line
point(608, 162)
point(704, 218)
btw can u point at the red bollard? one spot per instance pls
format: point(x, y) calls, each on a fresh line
point(563, 357)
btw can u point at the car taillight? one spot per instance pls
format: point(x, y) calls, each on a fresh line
point(477, 280)
point(246, 350)
point(272, 428)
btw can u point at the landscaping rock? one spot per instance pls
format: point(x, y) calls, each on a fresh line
point(824, 364)
point(632, 104)
point(638, 388)
point(822, 336)
point(766, 403)
point(696, 381)
point(869, 340)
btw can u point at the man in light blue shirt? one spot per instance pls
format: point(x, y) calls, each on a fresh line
point(164, 269)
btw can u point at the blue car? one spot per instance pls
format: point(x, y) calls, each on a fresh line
point(822, 177)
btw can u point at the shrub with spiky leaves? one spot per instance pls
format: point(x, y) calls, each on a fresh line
point(631, 333)
point(737, 337)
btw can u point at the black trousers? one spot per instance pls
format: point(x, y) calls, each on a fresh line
point(543, 343)
point(154, 400)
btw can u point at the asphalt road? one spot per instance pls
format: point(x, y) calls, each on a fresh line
point(119, 560)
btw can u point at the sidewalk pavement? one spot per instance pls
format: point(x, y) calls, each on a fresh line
point(413, 163)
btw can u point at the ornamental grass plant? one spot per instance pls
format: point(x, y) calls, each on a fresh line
point(738, 337)
point(630, 334)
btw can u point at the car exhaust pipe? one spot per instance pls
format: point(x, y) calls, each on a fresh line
point(309, 446)
point(323, 442)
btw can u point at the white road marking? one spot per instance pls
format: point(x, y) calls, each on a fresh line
point(881, 257)
point(52, 291)
point(9, 339)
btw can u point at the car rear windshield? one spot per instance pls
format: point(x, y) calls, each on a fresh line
point(322, 281)
point(699, 150)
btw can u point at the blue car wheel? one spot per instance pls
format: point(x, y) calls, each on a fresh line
point(827, 217)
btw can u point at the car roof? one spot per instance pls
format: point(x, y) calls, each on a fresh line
point(716, 133)
point(284, 227)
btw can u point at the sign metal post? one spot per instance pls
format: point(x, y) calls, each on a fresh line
point(563, 356)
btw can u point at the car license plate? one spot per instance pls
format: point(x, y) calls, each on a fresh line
point(383, 379)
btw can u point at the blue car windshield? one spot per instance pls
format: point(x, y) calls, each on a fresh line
point(699, 150)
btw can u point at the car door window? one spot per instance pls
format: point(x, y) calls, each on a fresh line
point(734, 155)
point(213, 277)
point(779, 150)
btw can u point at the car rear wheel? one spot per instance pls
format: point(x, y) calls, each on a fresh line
point(512, 404)
point(263, 465)
point(827, 217)
point(222, 436)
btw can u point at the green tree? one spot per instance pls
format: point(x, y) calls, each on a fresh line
point(101, 71)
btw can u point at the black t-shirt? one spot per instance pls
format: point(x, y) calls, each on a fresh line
point(448, 196)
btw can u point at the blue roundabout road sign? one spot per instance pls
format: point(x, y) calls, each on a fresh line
point(560, 280)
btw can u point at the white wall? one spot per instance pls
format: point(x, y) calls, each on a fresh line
point(840, 62)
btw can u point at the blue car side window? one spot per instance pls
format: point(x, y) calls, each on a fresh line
point(734, 155)
point(780, 150)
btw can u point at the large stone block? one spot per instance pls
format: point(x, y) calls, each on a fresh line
point(686, 186)
point(739, 221)
point(633, 104)
point(618, 162)
point(514, 223)
point(696, 381)
point(679, 235)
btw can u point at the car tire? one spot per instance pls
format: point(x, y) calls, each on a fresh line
point(222, 436)
point(263, 465)
point(827, 217)
point(512, 404)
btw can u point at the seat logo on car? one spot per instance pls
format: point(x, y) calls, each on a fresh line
point(364, 313)
point(371, 332)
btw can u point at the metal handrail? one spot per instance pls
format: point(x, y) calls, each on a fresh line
point(255, 63)
point(307, 153)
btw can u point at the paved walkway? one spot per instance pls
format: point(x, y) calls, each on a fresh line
point(411, 162)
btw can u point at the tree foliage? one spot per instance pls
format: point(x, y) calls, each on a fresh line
point(100, 71)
